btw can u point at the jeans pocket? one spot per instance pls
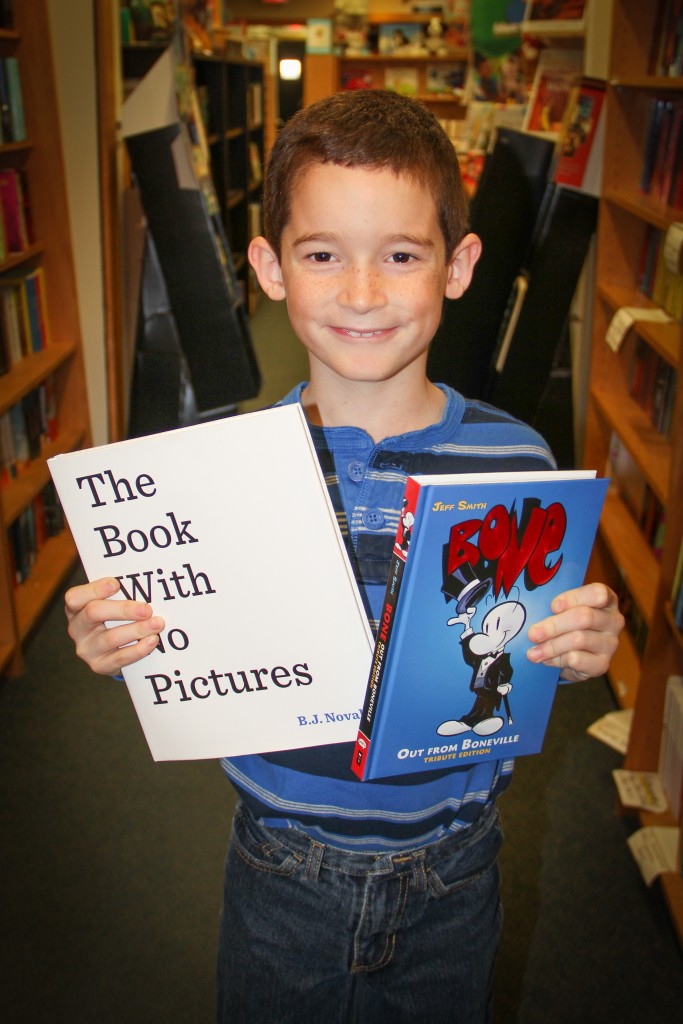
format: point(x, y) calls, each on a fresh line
point(470, 860)
point(260, 848)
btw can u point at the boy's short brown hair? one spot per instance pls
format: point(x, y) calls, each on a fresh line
point(366, 128)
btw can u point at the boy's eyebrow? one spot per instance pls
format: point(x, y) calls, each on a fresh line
point(331, 236)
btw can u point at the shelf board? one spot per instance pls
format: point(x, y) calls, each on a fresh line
point(666, 339)
point(649, 448)
point(652, 211)
point(32, 371)
point(407, 58)
point(653, 83)
point(624, 671)
point(17, 259)
point(20, 492)
point(635, 560)
point(54, 562)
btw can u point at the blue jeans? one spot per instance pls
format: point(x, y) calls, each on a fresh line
point(313, 934)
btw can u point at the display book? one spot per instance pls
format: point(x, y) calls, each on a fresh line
point(227, 530)
point(477, 560)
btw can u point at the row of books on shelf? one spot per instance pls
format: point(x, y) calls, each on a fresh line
point(662, 170)
point(24, 324)
point(27, 534)
point(440, 79)
point(652, 384)
point(677, 592)
point(634, 620)
point(659, 274)
point(637, 495)
point(26, 428)
point(12, 119)
point(670, 768)
point(16, 226)
point(666, 51)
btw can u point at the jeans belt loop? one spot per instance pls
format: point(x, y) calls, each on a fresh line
point(314, 861)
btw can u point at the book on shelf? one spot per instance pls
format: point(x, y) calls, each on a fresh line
point(13, 206)
point(29, 299)
point(670, 767)
point(266, 646)
point(582, 137)
point(476, 561)
point(27, 534)
point(554, 13)
point(628, 480)
point(666, 50)
point(556, 74)
point(15, 99)
point(652, 385)
point(26, 428)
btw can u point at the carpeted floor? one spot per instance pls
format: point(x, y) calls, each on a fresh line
point(111, 865)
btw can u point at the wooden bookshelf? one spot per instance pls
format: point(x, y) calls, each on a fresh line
point(233, 96)
point(40, 160)
point(622, 554)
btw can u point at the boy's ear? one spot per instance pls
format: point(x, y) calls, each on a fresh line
point(267, 267)
point(461, 265)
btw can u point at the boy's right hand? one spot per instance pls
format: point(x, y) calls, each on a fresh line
point(107, 649)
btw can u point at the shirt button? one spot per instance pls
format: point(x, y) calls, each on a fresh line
point(356, 471)
point(373, 518)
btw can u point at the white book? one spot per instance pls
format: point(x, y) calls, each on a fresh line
point(228, 530)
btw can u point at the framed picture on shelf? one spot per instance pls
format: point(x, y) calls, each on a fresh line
point(319, 35)
point(402, 80)
point(399, 38)
point(445, 78)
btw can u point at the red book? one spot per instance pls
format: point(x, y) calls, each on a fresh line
point(12, 198)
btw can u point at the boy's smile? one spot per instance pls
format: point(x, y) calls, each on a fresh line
point(363, 270)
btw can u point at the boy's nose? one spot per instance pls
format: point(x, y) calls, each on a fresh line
point(362, 289)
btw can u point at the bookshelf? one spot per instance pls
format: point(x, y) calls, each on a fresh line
point(623, 556)
point(231, 92)
point(60, 362)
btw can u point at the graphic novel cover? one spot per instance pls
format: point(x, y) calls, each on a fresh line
point(226, 528)
point(476, 561)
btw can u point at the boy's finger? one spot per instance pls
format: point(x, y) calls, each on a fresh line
point(76, 598)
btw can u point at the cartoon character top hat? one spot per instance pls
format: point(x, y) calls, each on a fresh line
point(464, 587)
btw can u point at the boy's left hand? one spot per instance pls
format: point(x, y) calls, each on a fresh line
point(581, 635)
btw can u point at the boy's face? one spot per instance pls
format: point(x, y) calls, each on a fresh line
point(363, 269)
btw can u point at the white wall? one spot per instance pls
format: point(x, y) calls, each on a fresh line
point(74, 55)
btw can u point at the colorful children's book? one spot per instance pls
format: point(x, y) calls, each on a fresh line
point(226, 528)
point(476, 561)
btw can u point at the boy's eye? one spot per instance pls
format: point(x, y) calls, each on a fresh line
point(321, 257)
point(401, 257)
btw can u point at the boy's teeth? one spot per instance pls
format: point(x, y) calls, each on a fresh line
point(361, 334)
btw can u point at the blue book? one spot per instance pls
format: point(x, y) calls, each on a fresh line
point(16, 100)
point(477, 560)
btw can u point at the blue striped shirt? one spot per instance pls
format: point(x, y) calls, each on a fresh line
point(313, 789)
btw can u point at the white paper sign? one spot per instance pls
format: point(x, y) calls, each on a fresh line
point(624, 319)
point(641, 790)
point(613, 729)
point(655, 850)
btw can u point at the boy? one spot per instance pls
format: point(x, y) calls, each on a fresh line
point(348, 901)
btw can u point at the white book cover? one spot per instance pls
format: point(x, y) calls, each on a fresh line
point(227, 529)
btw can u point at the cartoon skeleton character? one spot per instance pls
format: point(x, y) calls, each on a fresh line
point(485, 654)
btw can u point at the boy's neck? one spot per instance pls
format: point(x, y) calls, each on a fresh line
point(379, 408)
